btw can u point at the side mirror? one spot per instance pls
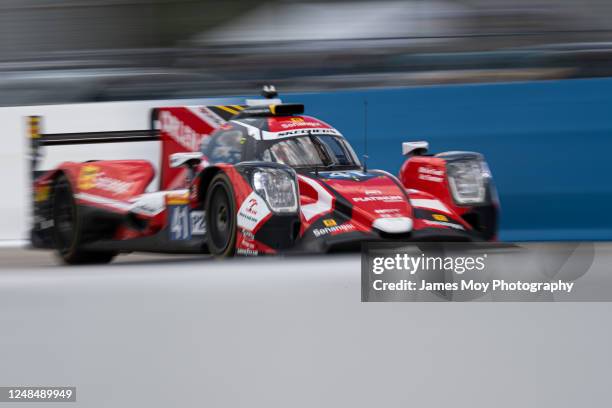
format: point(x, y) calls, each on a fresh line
point(189, 159)
point(414, 148)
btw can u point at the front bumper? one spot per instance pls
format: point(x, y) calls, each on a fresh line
point(351, 241)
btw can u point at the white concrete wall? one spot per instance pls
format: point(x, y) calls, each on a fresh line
point(88, 117)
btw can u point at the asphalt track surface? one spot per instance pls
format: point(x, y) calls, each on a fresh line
point(158, 331)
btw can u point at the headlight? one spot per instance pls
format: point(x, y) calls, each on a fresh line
point(467, 180)
point(277, 187)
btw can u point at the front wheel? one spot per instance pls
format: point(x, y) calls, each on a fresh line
point(221, 217)
point(67, 228)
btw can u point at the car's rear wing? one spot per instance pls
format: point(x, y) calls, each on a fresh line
point(179, 129)
point(39, 139)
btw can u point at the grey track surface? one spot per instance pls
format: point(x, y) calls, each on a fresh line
point(154, 331)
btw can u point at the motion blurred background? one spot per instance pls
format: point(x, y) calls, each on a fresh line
point(60, 51)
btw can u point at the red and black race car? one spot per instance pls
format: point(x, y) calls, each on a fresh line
point(249, 180)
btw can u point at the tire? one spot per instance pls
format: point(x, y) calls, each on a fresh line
point(220, 217)
point(67, 228)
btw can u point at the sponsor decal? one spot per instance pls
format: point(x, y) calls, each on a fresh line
point(87, 177)
point(299, 122)
point(246, 218)
point(247, 252)
point(111, 184)
point(383, 198)
point(246, 243)
point(388, 212)
point(252, 211)
point(247, 235)
point(180, 132)
point(431, 174)
point(251, 207)
point(338, 229)
point(92, 176)
point(301, 132)
point(208, 116)
point(330, 222)
point(440, 217)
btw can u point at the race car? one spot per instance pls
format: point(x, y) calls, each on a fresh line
point(254, 179)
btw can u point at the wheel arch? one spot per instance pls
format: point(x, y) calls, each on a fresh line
point(205, 178)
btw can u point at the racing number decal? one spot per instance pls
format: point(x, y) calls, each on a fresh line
point(198, 224)
point(183, 223)
point(180, 222)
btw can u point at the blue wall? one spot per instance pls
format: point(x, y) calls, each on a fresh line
point(548, 144)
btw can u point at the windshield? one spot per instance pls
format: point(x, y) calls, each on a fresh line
point(311, 151)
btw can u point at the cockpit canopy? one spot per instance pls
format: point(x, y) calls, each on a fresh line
point(305, 149)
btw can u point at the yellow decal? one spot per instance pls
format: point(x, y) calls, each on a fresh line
point(439, 217)
point(87, 177)
point(41, 193)
point(177, 198)
point(297, 119)
point(34, 125)
point(330, 223)
point(227, 109)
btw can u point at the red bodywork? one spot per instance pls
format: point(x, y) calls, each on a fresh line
point(428, 175)
point(332, 204)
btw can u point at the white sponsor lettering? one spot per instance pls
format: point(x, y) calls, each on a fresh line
point(387, 210)
point(298, 132)
point(179, 131)
point(431, 174)
point(207, 115)
point(329, 230)
point(112, 185)
point(247, 252)
point(386, 199)
point(299, 124)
